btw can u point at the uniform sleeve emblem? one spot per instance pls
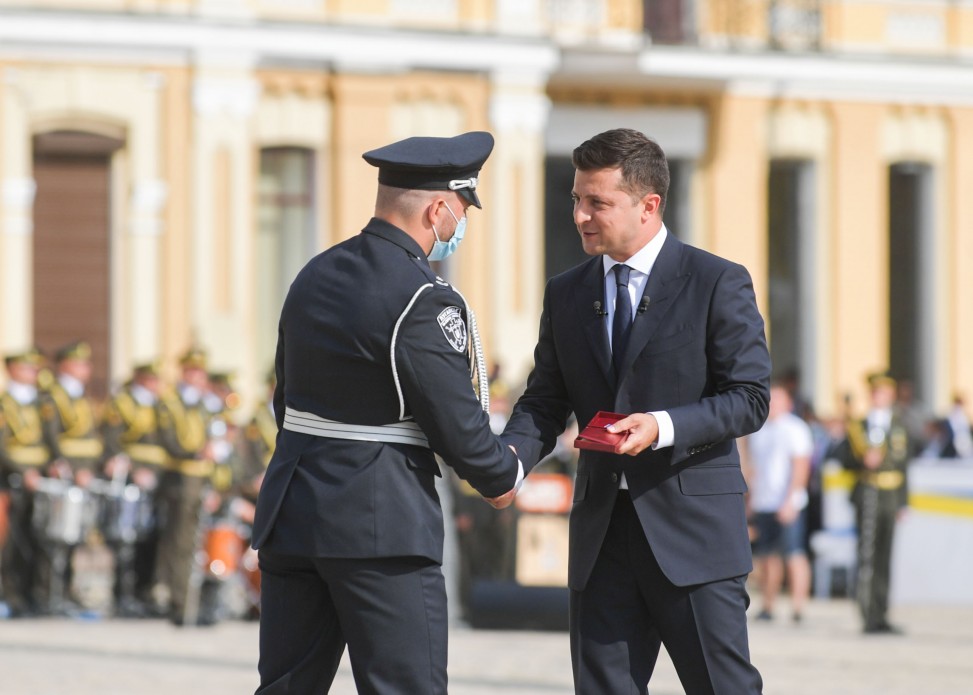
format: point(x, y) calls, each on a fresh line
point(454, 328)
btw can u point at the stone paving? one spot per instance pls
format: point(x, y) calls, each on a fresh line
point(825, 654)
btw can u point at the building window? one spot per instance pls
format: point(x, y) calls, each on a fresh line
point(669, 21)
point(911, 314)
point(790, 272)
point(285, 236)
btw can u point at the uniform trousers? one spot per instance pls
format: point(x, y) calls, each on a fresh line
point(628, 608)
point(180, 510)
point(876, 512)
point(391, 613)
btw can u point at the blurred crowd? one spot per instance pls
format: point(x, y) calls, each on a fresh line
point(163, 477)
point(786, 465)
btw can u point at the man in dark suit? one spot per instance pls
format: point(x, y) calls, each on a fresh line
point(373, 379)
point(659, 551)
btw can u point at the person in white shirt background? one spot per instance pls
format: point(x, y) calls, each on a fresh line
point(778, 466)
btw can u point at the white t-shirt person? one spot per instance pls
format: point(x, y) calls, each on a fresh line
point(773, 449)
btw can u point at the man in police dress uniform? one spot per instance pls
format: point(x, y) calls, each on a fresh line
point(373, 377)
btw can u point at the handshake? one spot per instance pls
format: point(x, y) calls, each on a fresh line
point(507, 498)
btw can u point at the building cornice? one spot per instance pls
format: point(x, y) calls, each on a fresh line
point(885, 79)
point(39, 35)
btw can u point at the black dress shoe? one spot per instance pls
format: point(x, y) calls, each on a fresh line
point(882, 629)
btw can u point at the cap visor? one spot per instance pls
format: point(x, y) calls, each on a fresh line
point(470, 196)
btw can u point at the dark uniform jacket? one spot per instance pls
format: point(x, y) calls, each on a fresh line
point(697, 351)
point(370, 336)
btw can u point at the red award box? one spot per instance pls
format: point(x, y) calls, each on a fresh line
point(595, 437)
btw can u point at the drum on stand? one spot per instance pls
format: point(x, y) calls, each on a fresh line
point(62, 516)
point(127, 515)
point(63, 513)
point(223, 546)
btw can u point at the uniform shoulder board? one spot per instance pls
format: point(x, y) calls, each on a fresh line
point(442, 283)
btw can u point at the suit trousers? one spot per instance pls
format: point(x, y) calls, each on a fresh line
point(628, 608)
point(391, 612)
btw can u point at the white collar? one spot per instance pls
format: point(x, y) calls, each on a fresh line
point(73, 387)
point(190, 395)
point(142, 395)
point(644, 259)
point(25, 394)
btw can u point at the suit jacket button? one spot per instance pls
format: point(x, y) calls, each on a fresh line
point(614, 477)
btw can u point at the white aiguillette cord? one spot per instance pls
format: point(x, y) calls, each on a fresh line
point(478, 361)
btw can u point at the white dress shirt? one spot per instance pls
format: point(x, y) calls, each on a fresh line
point(641, 264)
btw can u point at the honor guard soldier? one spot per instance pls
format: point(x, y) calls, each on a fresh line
point(223, 403)
point(23, 459)
point(135, 456)
point(72, 434)
point(374, 380)
point(878, 450)
point(257, 445)
point(70, 427)
point(184, 484)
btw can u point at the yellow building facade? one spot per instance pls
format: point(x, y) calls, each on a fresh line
point(167, 166)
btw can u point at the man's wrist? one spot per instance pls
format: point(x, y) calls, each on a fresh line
point(666, 435)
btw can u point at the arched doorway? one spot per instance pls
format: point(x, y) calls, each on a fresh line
point(72, 245)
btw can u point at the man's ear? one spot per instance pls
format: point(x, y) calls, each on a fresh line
point(650, 205)
point(430, 212)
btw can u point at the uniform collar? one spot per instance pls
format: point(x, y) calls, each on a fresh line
point(142, 395)
point(24, 394)
point(71, 386)
point(389, 232)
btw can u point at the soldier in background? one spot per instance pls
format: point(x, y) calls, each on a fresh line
point(24, 567)
point(256, 447)
point(878, 450)
point(71, 432)
point(183, 486)
point(135, 455)
point(223, 403)
point(70, 425)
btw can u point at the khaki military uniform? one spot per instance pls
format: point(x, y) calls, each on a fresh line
point(878, 496)
point(131, 429)
point(70, 428)
point(257, 446)
point(25, 566)
point(185, 479)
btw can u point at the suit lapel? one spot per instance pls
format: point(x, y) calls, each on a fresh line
point(664, 285)
point(591, 290)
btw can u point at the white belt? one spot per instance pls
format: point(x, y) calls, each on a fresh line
point(395, 433)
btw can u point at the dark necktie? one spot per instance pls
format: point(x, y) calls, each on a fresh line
point(622, 321)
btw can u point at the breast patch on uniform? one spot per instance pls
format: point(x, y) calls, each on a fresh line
point(454, 328)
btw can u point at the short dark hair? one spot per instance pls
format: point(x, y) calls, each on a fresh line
point(642, 161)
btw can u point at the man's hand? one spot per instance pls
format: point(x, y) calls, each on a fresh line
point(641, 431)
point(873, 458)
point(503, 501)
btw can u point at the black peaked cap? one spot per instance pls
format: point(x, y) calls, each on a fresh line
point(434, 164)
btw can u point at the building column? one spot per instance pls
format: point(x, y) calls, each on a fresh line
point(144, 320)
point(859, 229)
point(737, 204)
point(959, 223)
point(225, 93)
point(362, 110)
point(17, 189)
point(519, 111)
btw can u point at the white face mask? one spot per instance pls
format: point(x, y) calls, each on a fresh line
point(442, 249)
